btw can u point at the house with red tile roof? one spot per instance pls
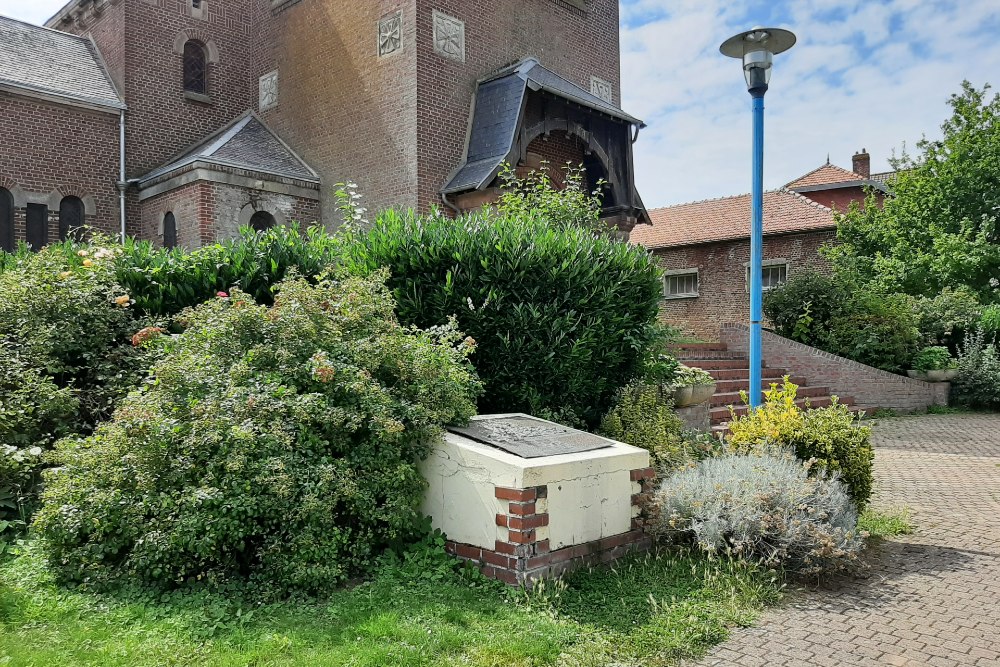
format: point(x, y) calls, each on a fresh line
point(704, 246)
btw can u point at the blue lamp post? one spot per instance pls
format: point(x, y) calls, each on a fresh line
point(756, 48)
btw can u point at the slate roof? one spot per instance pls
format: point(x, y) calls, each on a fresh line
point(499, 100)
point(883, 177)
point(728, 219)
point(54, 63)
point(246, 143)
point(825, 175)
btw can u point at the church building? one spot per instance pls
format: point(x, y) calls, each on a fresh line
point(179, 121)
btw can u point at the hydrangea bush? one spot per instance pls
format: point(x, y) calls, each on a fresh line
point(277, 446)
point(764, 507)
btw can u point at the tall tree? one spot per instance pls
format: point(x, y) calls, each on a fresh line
point(940, 228)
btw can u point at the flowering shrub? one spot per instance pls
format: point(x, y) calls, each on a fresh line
point(831, 436)
point(278, 446)
point(978, 382)
point(688, 376)
point(643, 416)
point(564, 317)
point(762, 506)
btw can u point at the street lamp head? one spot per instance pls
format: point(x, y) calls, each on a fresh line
point(756, 48)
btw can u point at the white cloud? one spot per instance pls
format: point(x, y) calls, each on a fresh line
point(32, 11)
point(864, 75)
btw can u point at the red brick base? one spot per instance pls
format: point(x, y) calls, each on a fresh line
point(524, 559)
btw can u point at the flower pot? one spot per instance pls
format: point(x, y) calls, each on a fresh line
point(701, 393)
point(917, 375)
point(682, 397)
point(942, 375)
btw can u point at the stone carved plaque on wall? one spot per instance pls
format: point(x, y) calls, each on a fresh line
point(603, 89)
point(449, 36)
point(269, 91)
point(390, 34)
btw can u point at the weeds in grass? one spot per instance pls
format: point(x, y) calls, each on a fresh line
point(886, 522)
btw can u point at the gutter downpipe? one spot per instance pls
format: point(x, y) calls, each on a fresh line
point(122, 183)
point(447, 202)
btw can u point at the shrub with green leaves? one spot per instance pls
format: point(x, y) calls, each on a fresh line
point(933, 358)
point(278, 446)
point(944, 319)
point(764, 506)
point(831, 436)
point(801, 307)
point(643, 416)
point(978, 382)
point(563, 317)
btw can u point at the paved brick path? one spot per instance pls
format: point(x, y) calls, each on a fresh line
point(931, 598)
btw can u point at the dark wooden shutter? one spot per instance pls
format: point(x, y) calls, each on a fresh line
point(36, 228)
point(6, 220)
point(169, 231)
point(71, 218)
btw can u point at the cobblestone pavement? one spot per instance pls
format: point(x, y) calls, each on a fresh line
point(931, 598)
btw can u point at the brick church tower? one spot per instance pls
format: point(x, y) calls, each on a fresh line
point(241, 112)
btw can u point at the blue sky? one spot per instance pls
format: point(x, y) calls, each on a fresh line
point(869, 74)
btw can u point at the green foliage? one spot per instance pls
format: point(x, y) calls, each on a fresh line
point(649, 610)
point(879, 330)
point(885, 523)
point(643, 416)
point(277, 446)
point(688, 376)
point(536, 196)
point(840, 317)
point(545, 302)
point(978, 382)
point(939, 229)
point(801, 308)
point(989, 323)
point(945, 318)
point(831, 436)
point(933, 358)
point(763, 506)
point(33, 410)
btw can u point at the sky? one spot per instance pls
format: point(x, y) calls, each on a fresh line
point(873, 74)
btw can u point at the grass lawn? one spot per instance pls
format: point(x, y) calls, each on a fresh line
point(647, 611)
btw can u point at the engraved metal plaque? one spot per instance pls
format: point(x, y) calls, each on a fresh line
point(529, 437)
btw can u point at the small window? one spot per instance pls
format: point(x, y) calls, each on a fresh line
point(6, 220)
point(169, 231)
point(262, 221)
point(680, 285)
point(195, 68)
point(773, 274)
point(36, 227)
point(71, 218)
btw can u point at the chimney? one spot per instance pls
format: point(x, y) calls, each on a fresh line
point(862, 163)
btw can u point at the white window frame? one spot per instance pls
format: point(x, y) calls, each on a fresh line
point(766, 264)
point(673, 273)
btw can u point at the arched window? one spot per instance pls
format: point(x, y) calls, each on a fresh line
point(169, 231)
point(195, 67)
point(71, 218)
point(261, 221)
point(6, 220)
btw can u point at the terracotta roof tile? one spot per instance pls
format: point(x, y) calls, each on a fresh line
point(728, 219)
point(825, 175)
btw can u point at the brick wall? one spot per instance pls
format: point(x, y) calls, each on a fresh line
point(575, 43)
point(49, 148)
point(722, 292)
point(191, 204)
point(207, 212)
point(350, 114)
point(870, 388)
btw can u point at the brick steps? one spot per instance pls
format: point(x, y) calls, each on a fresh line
point(733, 397)
point(731, 371)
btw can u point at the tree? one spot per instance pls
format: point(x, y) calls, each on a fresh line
point(940, 227)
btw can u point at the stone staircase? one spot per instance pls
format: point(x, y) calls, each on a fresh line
point(731, 371)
